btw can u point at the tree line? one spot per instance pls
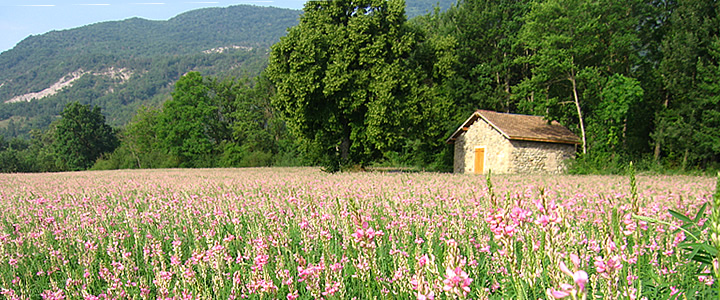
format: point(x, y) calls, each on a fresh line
point(356, 83)
point(207, 123)
point(637, 80)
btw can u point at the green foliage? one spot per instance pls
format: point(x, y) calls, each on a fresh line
point(207, 123)
point(487, 32)
point(598, 163)
point(140, 146)
point(344, 81)
point(697, 247)
point(561, 34)
point(610, 120)
point(188, 127)
point(714, 222)
point(81, 137)
point(689, 78)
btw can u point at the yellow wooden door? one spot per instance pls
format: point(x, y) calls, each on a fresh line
point(479, 160)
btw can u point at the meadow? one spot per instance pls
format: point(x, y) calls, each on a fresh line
point(299, 233)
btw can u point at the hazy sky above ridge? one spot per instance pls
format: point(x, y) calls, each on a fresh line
point(22, 18)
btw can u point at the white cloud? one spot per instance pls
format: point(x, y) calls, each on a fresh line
point(93, 4)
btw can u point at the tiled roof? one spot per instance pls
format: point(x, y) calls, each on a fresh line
point(521, 128)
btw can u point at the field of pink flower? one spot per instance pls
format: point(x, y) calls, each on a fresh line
point(298, 233)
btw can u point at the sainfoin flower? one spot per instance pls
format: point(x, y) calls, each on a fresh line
point(423, 260)
point(580, 278)
point(331, 288)
point(456, 282)
point(429, 296)
point(56, 294)
point(165, 275)
point(559, 294)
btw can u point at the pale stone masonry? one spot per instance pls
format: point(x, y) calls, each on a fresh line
point(511, 143)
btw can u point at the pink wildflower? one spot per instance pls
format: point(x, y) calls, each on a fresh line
point(565, 269)
point(165, 275)
point(292, 296)
point(580, 278)
point(189, 273)
point(543, 220)
point(456, 281)
point(429, 296)
point(53, 295)
point(174, 260)
point(423, 260)
point(331, 289)
point(9, 294)
point(557, 294)
point(117, 265)
point(674, 290)
point(260, 261)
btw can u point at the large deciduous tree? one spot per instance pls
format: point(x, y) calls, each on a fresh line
point(81, 136)
point(344, 79)
point(190, 126)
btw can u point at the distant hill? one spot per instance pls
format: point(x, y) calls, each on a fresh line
point(421, 7)
point(122, 65)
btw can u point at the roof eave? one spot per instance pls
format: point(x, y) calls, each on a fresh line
point(493, 125)
point(462, 128)
point(554, 141)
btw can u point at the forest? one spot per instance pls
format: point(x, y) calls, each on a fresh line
point(357, 84)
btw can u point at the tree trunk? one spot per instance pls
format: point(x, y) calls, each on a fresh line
point(137, 158)
point(344, 149)
point(624, 134)
point(656, 154)
point(507, 88)
point(579, 111)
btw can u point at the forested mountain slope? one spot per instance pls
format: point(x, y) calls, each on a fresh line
point(122, 65)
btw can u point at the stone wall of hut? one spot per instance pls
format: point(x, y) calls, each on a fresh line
point(503, 156)
point(497, 149)
point(540, 158)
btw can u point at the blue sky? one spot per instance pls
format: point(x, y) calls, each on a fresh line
point(22, 18)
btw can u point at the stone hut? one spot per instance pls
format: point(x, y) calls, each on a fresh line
point(511, 143)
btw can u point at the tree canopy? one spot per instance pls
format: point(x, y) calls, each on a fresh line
point(82, 136)
point(344, 78)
